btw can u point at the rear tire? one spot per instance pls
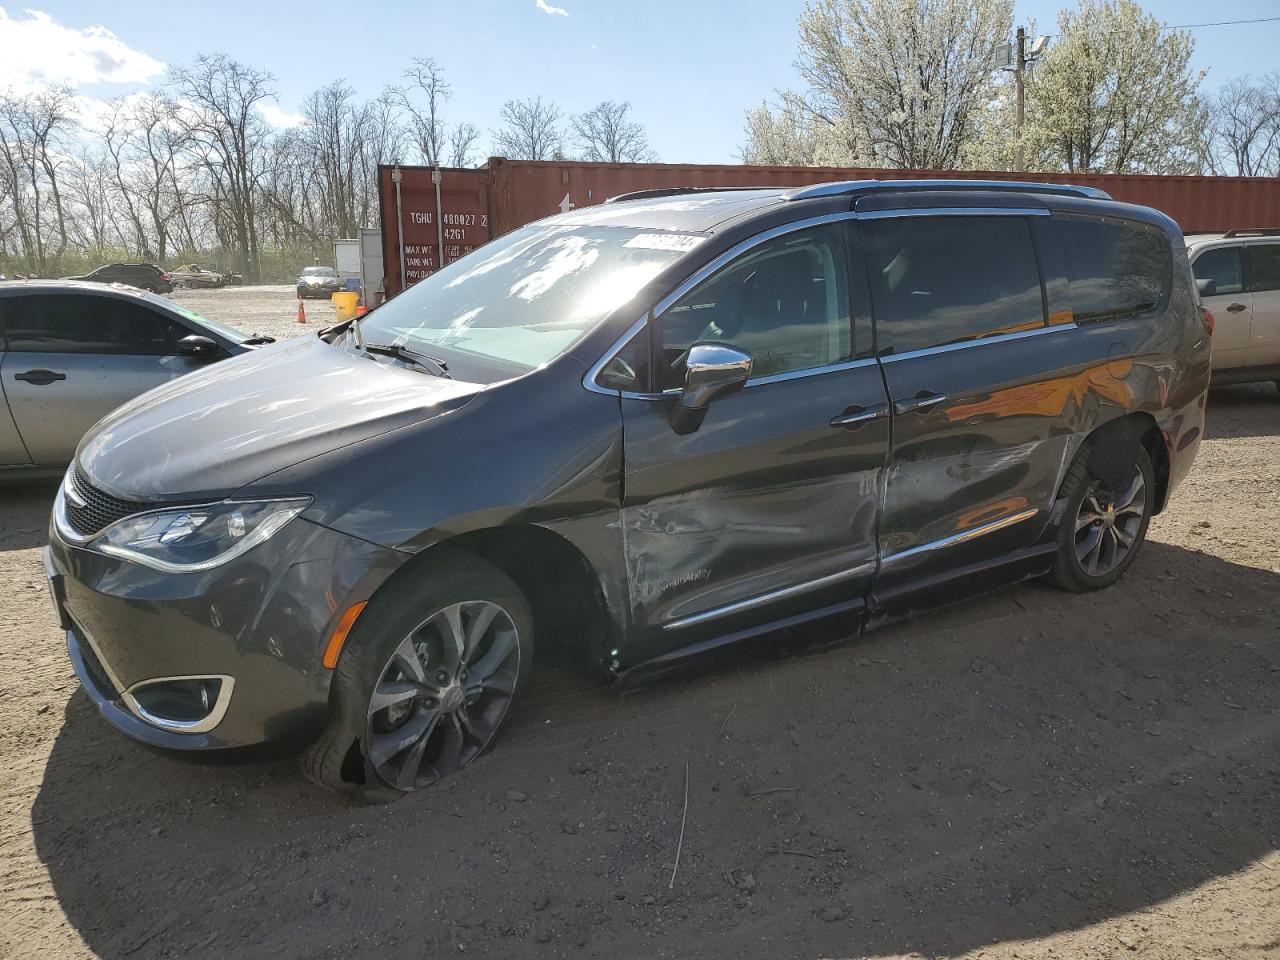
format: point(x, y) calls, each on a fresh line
point(425, 680)
point(1101, 532)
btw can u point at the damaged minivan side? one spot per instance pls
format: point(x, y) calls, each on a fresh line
point(643, 429)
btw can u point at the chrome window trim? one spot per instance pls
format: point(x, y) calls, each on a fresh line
point(589, 378)
point(979, 342)
point(204, 724)
point(962, 537)
point(751, 603)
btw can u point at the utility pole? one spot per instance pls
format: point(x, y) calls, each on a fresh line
point(1019, 73)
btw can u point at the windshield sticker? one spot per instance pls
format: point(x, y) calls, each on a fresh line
point(664, 241)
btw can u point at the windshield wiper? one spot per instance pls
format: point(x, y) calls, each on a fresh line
point(401, 352)
point(257, 339)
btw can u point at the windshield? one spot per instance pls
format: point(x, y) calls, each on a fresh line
point(526, 297)
point(319, 272)
point(221, 329)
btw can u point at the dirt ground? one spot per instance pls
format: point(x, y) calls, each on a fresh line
point(1027, 775)
point(270, 310)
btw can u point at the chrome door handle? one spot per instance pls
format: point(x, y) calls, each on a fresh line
point(924, 400)
point(40, 377)
point(857, 416)
point(1235, 308)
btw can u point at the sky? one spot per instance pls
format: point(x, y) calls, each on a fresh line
point(690, 68)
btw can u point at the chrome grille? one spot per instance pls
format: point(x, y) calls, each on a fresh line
point(99, 509)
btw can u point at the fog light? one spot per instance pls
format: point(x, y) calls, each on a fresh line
point(181, 704)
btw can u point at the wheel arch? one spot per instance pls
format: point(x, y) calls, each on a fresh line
point(564, 590)
point(1118, 434)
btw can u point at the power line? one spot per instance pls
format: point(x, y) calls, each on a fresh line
point(1197, 26)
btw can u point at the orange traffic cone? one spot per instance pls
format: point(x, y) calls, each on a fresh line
point(302, 314)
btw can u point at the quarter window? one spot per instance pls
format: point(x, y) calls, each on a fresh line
point(785, 302)
point(1264, 267)
point(941, 280)
point(64, 323)
point(1117, 268)
point(1222, 266)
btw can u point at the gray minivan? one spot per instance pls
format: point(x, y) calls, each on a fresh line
point(640, 430)
point(71, 352)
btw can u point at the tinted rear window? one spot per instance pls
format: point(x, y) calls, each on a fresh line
point(940, 280)
point(1264, 267)
point(1117, 268)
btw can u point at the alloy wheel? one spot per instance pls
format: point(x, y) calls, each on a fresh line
point(1107, 526)
point(442, 694)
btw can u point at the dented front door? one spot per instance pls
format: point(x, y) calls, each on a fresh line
point(768, 509)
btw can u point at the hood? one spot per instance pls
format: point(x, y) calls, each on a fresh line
point(207, 434)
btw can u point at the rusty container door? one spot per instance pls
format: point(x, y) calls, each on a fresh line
point(414, 224)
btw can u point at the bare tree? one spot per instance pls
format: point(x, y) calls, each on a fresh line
point(225, 132)
point(462, 143)
point(607, 134)
point(530, 131)
point(898, 82)
point(34, 128)
point(1243, 135)
point(426, 83)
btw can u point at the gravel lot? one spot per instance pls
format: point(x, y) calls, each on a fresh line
point(269, 309)
point(1030, 775)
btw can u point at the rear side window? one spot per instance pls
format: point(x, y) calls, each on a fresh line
point(1264, 267)
point(65, 323)
point(1117, 268)
point(941, 280)
point(1221, 265)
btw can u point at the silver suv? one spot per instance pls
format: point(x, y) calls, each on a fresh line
point(1239, 276)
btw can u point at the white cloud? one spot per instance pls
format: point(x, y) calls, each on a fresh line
point(548, 8)
point(39, 51)
point(278, 117)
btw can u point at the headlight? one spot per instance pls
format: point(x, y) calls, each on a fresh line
point(193, 539)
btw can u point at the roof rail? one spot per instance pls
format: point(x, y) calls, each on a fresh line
point(1252, 232)
point(855, 187)
point(672, 192)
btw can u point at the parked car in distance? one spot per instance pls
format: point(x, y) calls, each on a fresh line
point(144, 276)
point(193, 275)
point(70, 352)
point(318, 282)
point(647, 428)
point(1239, 277)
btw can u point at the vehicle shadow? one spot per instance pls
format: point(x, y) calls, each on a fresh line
point(24, 513)
point(1243, 410)
point(1023, 764)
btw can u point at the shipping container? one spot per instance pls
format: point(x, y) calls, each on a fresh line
point(425, 210)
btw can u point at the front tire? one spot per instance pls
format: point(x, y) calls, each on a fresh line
point(1101, 531)
point(425, 680)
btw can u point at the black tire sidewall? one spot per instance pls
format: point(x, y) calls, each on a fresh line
point(450, 577)
point(1068, 571)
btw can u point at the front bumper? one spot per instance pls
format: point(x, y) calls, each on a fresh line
point(260, 621)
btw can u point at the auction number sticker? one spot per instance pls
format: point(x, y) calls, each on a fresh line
point(664, 241)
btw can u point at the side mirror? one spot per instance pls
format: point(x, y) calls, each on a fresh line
point(1207, 288)
point(196, 346)
point(711, 372)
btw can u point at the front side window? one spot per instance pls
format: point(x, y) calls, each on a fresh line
point(1116, 268)
point(525, 298)
point(1221, 265)
point(948, 279)
point(64, 323)
point(785, 303)
point(1264, 267)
